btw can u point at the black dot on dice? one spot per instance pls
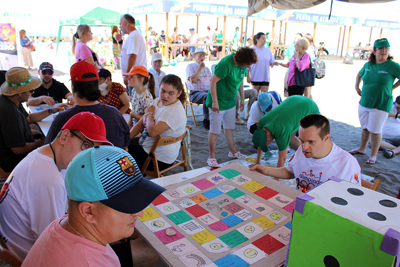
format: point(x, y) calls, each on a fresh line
point(388, 203)
point(83, 166)
point(339, 201)
point(355, 191)
point(331, 261)
point(377, 216)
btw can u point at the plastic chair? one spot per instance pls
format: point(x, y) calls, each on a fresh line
point(191, 106)
point(163, 141)
point(373, 186)
point(8, 256)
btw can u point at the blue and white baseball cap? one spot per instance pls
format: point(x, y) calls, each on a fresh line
point(264, 101)
point(109, 175)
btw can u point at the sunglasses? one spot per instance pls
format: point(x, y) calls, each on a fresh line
point(384, 48)
point(47, 72)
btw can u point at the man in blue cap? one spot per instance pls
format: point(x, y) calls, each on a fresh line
point(106, 195)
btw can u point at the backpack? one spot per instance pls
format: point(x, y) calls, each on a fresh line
point(319, 66)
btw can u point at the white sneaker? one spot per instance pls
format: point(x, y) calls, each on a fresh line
point(212, 162)
point(238, 155)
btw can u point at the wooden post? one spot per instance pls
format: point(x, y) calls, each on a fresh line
point(166, 37)
point(348, 41)
point(280, 30)
point(272, 38)
point(284, 36)
point(380, 35)
point(370, 35)
point(217, 22)
point(338, 42)
point(241, 32)
point(344, 35)
point(314, 32)
point(224, 38)
point(145, 30)
point(254, 25)
point(197, 25)
point(176, 20)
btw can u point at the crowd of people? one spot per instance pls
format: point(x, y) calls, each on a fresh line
point(105, 138)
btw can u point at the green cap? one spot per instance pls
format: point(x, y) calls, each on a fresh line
point(260, 139)
point(383, 42)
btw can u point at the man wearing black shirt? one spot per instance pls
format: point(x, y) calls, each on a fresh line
point(51, 91)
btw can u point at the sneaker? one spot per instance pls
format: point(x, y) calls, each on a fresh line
point(239, 121)
point(212, 162)
point(206, 124)
point(238, 155)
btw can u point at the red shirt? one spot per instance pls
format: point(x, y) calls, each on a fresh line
point(112, 97)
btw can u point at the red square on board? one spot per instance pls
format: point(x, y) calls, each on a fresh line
point(268, 244)
point(266, 193)
point(196, 211)
point(289, 207)
point(159, 200)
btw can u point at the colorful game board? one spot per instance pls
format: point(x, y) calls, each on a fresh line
point(228, 217)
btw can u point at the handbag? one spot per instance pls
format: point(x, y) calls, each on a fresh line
point(305, 78)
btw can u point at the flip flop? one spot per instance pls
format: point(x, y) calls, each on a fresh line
point(387, 153)
point(371, 161)
point(356, 152)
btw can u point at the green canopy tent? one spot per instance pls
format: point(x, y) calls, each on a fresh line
point(97, 17)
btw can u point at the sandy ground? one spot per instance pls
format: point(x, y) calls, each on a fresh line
point(334, 95)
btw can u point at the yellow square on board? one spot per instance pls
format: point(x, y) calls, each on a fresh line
point(264, 223)
point(253, 186)
point(149, 214)
point(203, 237)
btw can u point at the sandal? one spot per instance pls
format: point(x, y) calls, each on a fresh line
point(371, 161)
point(387, 153)
point(238, 155)
point(356, 152)
point(212, 162)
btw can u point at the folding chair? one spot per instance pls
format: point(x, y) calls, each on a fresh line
point(7, 256)
point(163, 141)
point(373, 186)
point(191, 106)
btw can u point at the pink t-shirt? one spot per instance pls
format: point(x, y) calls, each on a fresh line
point(82, 51)
point(304, 63)
point(58, 247)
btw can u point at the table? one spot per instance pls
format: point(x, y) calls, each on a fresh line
point(46, 122)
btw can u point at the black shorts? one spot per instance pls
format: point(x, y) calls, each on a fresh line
point(260, 83)
point(295, 90)
point(253, 128)
point(219, 48)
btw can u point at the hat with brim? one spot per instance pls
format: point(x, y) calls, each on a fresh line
point(18, 81)
point(260, 139)
point(199, 50)
point(380, 43)
point(264, 101)
point(138, 69)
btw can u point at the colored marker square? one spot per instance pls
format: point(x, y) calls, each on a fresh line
point(216, 179)
point(203, 184)
point(253, 186)
point(188, 189)
point(251, 254)
point(268, 244)
point(166, 239)
point(275, 216)
point(225, 188)
point(229, 173)
point(233, 207)
point(181, 247)
point(266, 193)
point(289, 225)
point(195, 258)
point(247, 200)
point(244, 214)
point(179, 217)
point(208, 219)
point(241, 179)
point(235, 193)
point(289, 207)
point(233, 238)
point(168, 208)
point(212, 193)
point(250, 230)
point(203, 237)
point(198, 198)
point(261, 208)
point(219, 226)
point(149, 214)
point(231, 260)
point(160, 200)
point(282, 235)
point(232, 220)
point(280, 200)
point(196, 211)
point(264, 223)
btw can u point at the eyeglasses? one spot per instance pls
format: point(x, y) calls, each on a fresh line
point(47, 72)
point(85, 144)
point(383, 48)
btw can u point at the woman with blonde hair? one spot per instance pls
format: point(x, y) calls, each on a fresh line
point(116, 49)
point(311, 52)
point(26, 49)
point(80, 49)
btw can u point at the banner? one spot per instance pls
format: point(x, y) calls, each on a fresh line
point(8, 46)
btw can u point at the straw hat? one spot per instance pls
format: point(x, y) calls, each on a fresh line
point(19, 80)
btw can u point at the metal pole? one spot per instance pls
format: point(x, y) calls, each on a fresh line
point(245, 31)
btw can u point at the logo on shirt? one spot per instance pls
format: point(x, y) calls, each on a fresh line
point(126, 165)
point(382, 71)
point(307, 181)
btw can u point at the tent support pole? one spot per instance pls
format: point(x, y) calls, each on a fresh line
point(166, 36)
point(338, 42)
point(224, 39)
point(145, 30)
point(370, 35)
point(284, 36)
point(245, 30)
point(241, 31)
point(197, 25)
point(176, 20)
point(348, 41)
point(314, 32)
point(217, 22)
point(280, 31)
point(380, 35)
point(272, 43)
point(344, 35)
point(254, 25)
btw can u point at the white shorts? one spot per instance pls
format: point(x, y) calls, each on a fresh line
point(372, 119)
point(227, 117)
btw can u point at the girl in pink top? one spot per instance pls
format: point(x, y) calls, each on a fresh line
point(80, 49)
point(301, 61)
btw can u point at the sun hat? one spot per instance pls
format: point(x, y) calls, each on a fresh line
point(264, 101)
point(156, 56)
point(104, 73)
point(109, 175)
point(260, 139)
point(90, 125)
point(199, 50)
point(383, 42)
point(80, 68)
point(19, 80)
point(139, 69)
point(46, 66)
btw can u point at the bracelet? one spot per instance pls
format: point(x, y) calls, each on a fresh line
point(397, 114)
point(242, 100)
point(149, 113)
point(120, 42)
point(50, 110)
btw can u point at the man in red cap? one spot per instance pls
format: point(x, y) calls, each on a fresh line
point(34, 194)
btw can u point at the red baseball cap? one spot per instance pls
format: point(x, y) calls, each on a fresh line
point(90, 125)
point(80, 68)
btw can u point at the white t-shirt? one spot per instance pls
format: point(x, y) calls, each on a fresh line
point(392, 125)
point(157, 78)
point(209, 38)
point(260, 72)
point(134, 44)
point(255, 113)
point(36, 196)
point(193, 38)
point(175, 117)
point(310, 173)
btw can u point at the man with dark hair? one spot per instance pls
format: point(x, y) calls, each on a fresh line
point(317, 159)
point(391, 132)
point(85, 88)
point(133, 50)
point(51, 91)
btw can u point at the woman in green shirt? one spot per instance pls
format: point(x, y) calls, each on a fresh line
point(378, 76)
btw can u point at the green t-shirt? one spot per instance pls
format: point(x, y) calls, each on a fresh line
point(284, 120)
point(378, 80)
point(218, 37)
point(231, 77)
